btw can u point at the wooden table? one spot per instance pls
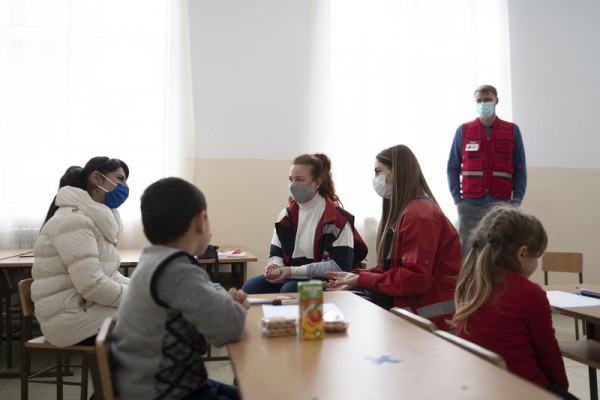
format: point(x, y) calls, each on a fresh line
point(23, 258)
point(590, 315)
point(239, 264)
point(381, 356)
point(13, 258)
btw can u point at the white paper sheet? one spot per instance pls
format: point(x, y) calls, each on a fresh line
point(256, 300)
point(565, 300)
point(292, 311)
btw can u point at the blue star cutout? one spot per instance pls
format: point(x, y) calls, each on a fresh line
point(383, 359)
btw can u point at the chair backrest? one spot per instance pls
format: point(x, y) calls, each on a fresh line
point(473, 348)
point(562, 262)
point(104, 359)
point(415, 319)
point(27, 306)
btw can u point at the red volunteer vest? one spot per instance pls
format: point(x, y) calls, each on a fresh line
point(487, 164)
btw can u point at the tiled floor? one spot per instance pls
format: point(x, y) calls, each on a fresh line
point(221, 371)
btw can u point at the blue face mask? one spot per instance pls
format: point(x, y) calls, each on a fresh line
point(485, 109)
point(117, 197)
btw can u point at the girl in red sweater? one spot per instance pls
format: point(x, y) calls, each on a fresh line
point(499, 308)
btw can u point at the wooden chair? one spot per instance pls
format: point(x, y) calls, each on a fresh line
point(479, 351)
point(103, 383)
point(29, 346)
point(414, 319)
point(563, 262)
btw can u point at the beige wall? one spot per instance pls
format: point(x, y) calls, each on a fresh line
point(566, 200)
point(245, 196)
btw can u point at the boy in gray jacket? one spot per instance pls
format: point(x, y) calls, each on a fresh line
point(172, 310)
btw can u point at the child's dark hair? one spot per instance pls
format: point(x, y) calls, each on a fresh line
point(168, 206)
point(78, 177)
point(494, 244)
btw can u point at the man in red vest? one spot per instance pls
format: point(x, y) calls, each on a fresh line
point(486, 164)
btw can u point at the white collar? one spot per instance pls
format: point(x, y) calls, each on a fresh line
point(313, 203)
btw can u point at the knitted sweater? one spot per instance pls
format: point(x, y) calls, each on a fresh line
point(517, 324)
point(169, 314)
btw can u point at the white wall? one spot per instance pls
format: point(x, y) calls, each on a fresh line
point(555, 63)
point(250, 62)
point(250, 78)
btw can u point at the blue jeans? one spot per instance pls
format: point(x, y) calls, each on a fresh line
point(213, 390)
point(259, 284)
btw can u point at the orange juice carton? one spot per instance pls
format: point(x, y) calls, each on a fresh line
point(311, 309)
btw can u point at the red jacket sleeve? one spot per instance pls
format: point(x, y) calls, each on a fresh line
point(543, 339)
point(411, 271)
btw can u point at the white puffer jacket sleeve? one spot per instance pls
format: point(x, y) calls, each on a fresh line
point(79, 250)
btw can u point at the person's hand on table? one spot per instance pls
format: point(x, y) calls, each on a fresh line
point(341, 280)
point(240, 296)
point(284, 273)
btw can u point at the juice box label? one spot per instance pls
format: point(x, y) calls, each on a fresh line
point(311, 309)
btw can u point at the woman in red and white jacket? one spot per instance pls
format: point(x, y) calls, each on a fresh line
point(418, 250)
point(314, 234)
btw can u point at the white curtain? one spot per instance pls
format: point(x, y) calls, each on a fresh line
point(82, 78)
point(386, 72)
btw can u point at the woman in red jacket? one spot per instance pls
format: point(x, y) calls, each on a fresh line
point(418, 250)
point(499, 308)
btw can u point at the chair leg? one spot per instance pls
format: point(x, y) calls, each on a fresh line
point(593, 383)
point(1, 320)
point(59, 376)
point(25, 370)
point(576, 329)
point(8, 316)
point(85, 363)
point(98, 394)
point(67, 363)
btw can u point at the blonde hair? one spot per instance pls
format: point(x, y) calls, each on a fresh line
point(494, 244)
point(407, 185)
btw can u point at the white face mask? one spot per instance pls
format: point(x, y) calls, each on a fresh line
point(381, 187)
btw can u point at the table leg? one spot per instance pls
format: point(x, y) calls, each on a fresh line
point(8, 331)
point(239, 270)
point(591, 334)
point(593, 383)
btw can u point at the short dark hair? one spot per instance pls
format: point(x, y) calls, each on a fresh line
point(168, 206)
point(485, 89)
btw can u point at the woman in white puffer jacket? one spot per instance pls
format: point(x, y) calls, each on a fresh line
point(77, 283)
